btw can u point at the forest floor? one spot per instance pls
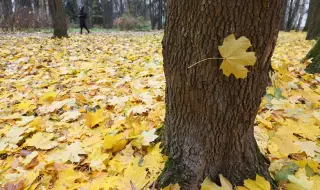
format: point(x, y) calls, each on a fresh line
point(82, 113)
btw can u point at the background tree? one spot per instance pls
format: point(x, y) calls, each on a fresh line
point(88, 8)
point(293, 14)
point(59, 20)
point(210, 117)
point(97, 12)
point(310, 13)
point(6, 10)
point(314, 26)
point(283, 23)
point(107, 7)
point(301, 14)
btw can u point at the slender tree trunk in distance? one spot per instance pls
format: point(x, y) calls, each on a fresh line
point(293, 13)
point(160, 9)
point(314, 27)
point(145, 10)
point(125, 7)
point(7, 11)
point(88, 6)
point(284, 16)
point(104, 13)
point(109, 14)
point(59, 20)
point(107, 6)
point(75, 7)
point(36, 6)
point(121, 8)
point(24, 3)
point(152, 14)
point(310, 13)
point(301, 15)
point(210, 117)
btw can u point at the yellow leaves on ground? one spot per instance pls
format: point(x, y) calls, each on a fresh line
point(236, 56)
point(92, 119)
point(82, 112)
point(42, 141)
point(67, 179)
point(209, 185)
point(114, 142)
point(258, 184)
point(74, 113)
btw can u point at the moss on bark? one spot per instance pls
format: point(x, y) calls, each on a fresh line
point(314, 54)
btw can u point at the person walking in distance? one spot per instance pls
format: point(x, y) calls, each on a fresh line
point(83, 16)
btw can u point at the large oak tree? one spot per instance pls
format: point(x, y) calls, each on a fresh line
point(59, 20)
point(210, 117)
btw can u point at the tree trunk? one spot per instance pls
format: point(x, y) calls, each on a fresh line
point(88, 6)
point(36, 5)
point(293, 13)
point(160, 11)
point(7, 12)
point(125, 7)
point(283, 23)
point(314, 54)
point(145, 10)
point(44, 8)
point(210, 117)
point(75, 8)
point(59, 20)
point(107, 13)
point(301, 15)
point(314, 27)
point(24, 3)
point(310, 13)
point(153, 18)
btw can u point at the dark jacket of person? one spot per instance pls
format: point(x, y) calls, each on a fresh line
point(82, 16)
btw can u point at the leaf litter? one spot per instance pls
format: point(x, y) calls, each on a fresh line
point(82, 113)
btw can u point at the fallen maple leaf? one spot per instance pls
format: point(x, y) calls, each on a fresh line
point(42, 141)
point(149, 136)
point(94, 118)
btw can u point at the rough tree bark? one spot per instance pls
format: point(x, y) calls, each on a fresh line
point(210, 117)
point(310, 13)
point(314, 27)
point(314, 54)
point(59, 20)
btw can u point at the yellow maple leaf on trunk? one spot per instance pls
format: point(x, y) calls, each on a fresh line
point(235, 56)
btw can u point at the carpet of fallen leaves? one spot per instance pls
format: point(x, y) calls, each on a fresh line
point(82, 113)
